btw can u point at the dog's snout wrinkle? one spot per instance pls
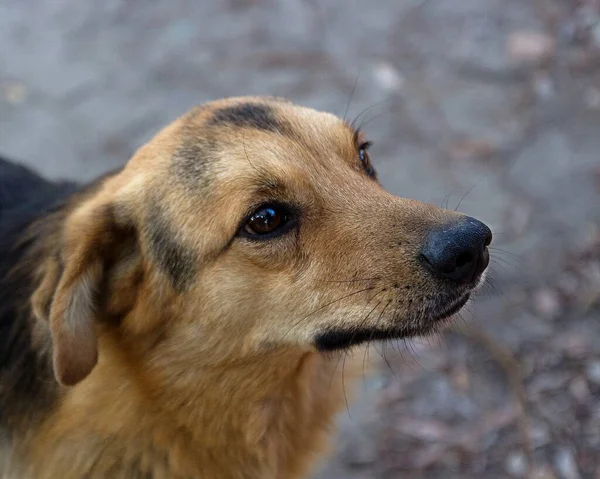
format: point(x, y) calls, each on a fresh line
point(458, 251)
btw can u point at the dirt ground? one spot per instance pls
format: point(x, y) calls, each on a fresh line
point(488, 106)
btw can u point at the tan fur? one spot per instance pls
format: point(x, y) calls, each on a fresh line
point(218, 378)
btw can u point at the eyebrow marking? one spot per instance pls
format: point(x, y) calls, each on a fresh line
point(249, 115)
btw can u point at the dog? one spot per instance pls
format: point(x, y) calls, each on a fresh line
point(185, 316)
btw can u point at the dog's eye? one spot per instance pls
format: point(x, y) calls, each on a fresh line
point(364, 158)
point(268, 221)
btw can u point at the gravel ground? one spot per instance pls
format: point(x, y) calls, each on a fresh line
point(488, 106)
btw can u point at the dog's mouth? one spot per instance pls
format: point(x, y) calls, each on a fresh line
point(339, 338)
point(452, 309)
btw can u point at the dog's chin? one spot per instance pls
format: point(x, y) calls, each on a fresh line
point(340, 339)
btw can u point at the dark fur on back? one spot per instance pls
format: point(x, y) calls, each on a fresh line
point(27, 385)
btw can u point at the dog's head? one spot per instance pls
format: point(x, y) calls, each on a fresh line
point(250, 225)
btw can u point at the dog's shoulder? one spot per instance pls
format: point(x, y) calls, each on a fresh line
point(24, 198)
point(25, 195)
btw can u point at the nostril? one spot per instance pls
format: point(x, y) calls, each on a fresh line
point(488, 238)
point(464, 259)
point(464, 265)
point(485, 260)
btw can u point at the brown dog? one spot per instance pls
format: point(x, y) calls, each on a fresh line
point(194, 305)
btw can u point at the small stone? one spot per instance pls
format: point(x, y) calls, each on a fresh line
point(359, 452)
point(516, 464)
point(377, 382)
point(590, 240)
point(575, 345)
point(545, 382)
point(568, 284)
point(540, 434)
point(592, 370)
point(15, 93)
point(542, 472)
point(460, 379)
point(566, 465)
point(586, 16)
point(591, 98)
point(519, 219)
point(388, 77)
point(546, 303)
point(471, 149)
point(530, 47)
point(579, 389)
point(543, 87)
point(595, 34)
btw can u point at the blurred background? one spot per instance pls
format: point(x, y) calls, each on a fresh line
point(488, 106)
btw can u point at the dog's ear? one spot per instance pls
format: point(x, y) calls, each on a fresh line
point(73, 287)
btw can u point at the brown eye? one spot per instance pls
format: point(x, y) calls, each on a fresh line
point(267, 221)
point(364, 158)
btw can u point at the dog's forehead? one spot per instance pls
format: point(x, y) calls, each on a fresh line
point(238, 118)
point(281, 119)
point(227, 137)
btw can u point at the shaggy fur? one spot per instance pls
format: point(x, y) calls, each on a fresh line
point(144, 333)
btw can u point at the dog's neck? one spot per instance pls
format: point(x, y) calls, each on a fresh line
point(271, 413)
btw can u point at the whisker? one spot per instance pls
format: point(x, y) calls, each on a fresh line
point(245, 151)
point(446, 200)
point(335, 370)
point(351, 95)
point(364, 361)
point(505, 264)
point(412, 353)
point(393, 342)
point(507, 253)
point(339, 299)
point(384, 357)
point(400, 350)
point(348, 280)
point(366, 110)
point(346, 350)
point(296, 323)
point(376, 117)
point(488, 288)
point(372, 333)
point(464, 196)
point(344, 385)
point(361, 324)
point(513, 263)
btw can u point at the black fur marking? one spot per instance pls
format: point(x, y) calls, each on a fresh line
point(27, 383)
point(177, 261)
point(191, 162)
point(249, 115)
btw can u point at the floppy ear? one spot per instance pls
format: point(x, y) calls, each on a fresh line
point(69, 295)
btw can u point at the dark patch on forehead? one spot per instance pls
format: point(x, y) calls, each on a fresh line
point(177, 261)
point(248, 115)
point(192, 158)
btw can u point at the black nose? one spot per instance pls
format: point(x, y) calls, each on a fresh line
point(458, 251)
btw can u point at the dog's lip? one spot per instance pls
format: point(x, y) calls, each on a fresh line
point(454, 308)
point(339, 339)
